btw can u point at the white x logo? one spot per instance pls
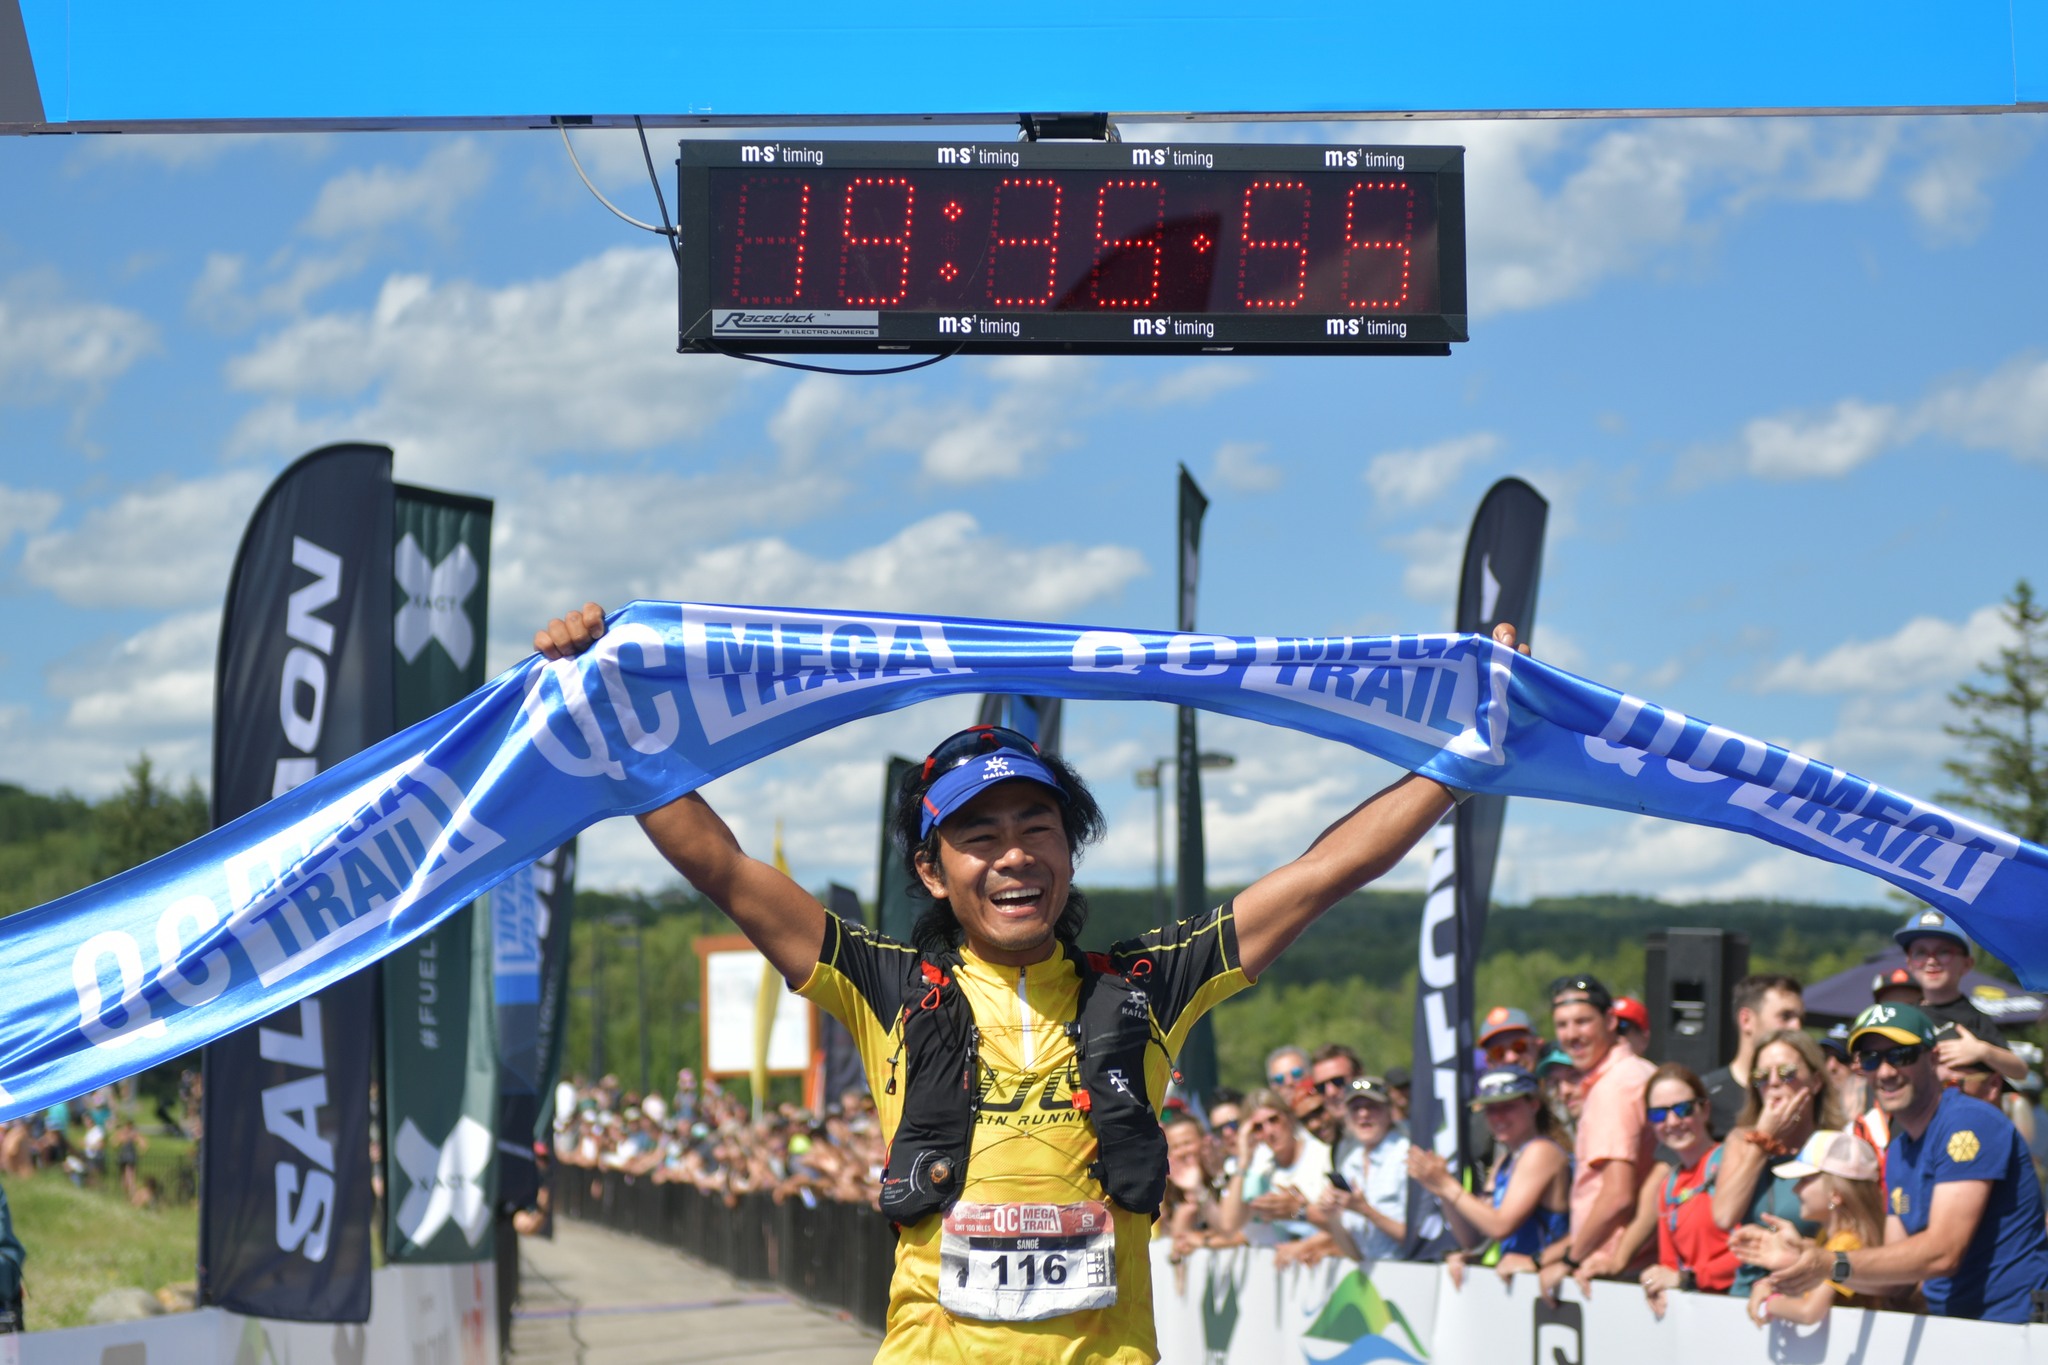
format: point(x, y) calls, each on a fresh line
point(447, 1181)
point(434, 596)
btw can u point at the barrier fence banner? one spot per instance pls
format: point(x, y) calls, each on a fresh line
point(440, 1030)
point(303, 682)
point(1503, 566)
point(1234, 1307)
point(380, 848)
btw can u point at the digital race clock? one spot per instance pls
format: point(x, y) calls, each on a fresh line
point(1060, 246)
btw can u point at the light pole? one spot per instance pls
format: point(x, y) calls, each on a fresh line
point(1154, 778)
point(633, 943)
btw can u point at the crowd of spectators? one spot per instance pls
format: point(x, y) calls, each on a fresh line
point(701, 1135)
point(90, 1140)
point(1890, 1163)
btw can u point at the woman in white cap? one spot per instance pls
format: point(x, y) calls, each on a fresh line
point(1838, 1189)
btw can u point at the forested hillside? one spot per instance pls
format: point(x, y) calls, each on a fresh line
point(1349, 979)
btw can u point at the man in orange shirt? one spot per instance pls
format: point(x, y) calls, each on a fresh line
point(1614, 1140)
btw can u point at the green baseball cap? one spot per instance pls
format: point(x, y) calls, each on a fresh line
point(1900, 1023)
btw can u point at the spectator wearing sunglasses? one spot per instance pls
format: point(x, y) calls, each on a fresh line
point(1963, 1210)
point(1364, 1210)
point(1763, 1005)
point(1940, 955)
point(1613, 1143)
point(1331, 1072)
point(1692, 1250)
point(1226, 1117)
point(1287, 1070)
point(1280, 1173)
point(1524, 1203)
point(1789, 1099)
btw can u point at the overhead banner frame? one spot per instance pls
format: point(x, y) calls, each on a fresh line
point(241, 66)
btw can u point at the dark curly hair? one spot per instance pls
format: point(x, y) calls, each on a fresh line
point(937, 932)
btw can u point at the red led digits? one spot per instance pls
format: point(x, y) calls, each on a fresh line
point(1018, 276)
point(1390, 211)
point(877, 217)
point(1278, 281)
point(772, 196)
point(1120, 265)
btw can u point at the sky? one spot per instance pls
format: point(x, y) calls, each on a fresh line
point(1783, 382)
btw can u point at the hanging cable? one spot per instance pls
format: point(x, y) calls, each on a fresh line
point(828, 369)
point(674, 235)
point(563, 128)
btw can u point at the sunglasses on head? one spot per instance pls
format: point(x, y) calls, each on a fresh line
point(1900, 1057)
point(1290, 1075)
point(972, 742)
point(1684, 1109)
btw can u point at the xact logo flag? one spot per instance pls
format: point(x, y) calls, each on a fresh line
point(435, 597)
point(447, 1181)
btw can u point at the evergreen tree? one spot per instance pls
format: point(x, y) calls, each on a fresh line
point(2004, 730)
point(145, 819)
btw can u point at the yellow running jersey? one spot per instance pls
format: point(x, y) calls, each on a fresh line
point(1030, 1144)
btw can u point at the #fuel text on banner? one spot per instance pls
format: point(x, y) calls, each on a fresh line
point(374, 852)
point(440, 1031)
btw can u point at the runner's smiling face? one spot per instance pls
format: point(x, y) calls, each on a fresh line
point(1005, 868)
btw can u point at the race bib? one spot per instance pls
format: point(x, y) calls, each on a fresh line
point(1024, 1262)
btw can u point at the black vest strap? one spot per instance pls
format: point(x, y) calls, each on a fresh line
point(1112, 1028)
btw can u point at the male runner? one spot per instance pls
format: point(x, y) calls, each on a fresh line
point(1020, 1268)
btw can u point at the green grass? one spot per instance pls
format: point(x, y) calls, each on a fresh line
point(83, 1242)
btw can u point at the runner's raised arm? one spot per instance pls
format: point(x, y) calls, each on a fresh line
point(779, 917)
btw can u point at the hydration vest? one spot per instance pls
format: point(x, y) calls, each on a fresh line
point(1111, 1029)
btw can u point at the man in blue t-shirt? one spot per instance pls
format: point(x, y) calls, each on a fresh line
point(1963, 1213)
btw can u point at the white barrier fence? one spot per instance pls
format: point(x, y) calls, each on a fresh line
point(419, 1315)
point(1233, 1308)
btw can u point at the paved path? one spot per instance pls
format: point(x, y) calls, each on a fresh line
point(595, 1297)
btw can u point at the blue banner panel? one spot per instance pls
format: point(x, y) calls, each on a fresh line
point(375, 851)
point(116, 63)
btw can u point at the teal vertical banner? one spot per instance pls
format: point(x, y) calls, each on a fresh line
point(440, 1025)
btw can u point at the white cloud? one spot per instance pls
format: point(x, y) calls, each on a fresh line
point(2006, 410)
point(1435, 555)
point(1848, 435)
point(941, 564)
point(1237, 466)
point(158, 680)
point(167, 545)
point(223, 296)
point(45, 340)
point(181, 151)
point(361, 201)
point(1923, 652)
point(1947, 190)
point(25, 511)
point(1402, 479)
point(466, 382)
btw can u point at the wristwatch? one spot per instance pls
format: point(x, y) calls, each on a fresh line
point(1840, 1274)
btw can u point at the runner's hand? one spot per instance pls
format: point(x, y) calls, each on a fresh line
point(1504, 633)
point(569, 635)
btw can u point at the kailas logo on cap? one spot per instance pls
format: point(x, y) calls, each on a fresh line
point(1931, 917)
point(996, 767)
